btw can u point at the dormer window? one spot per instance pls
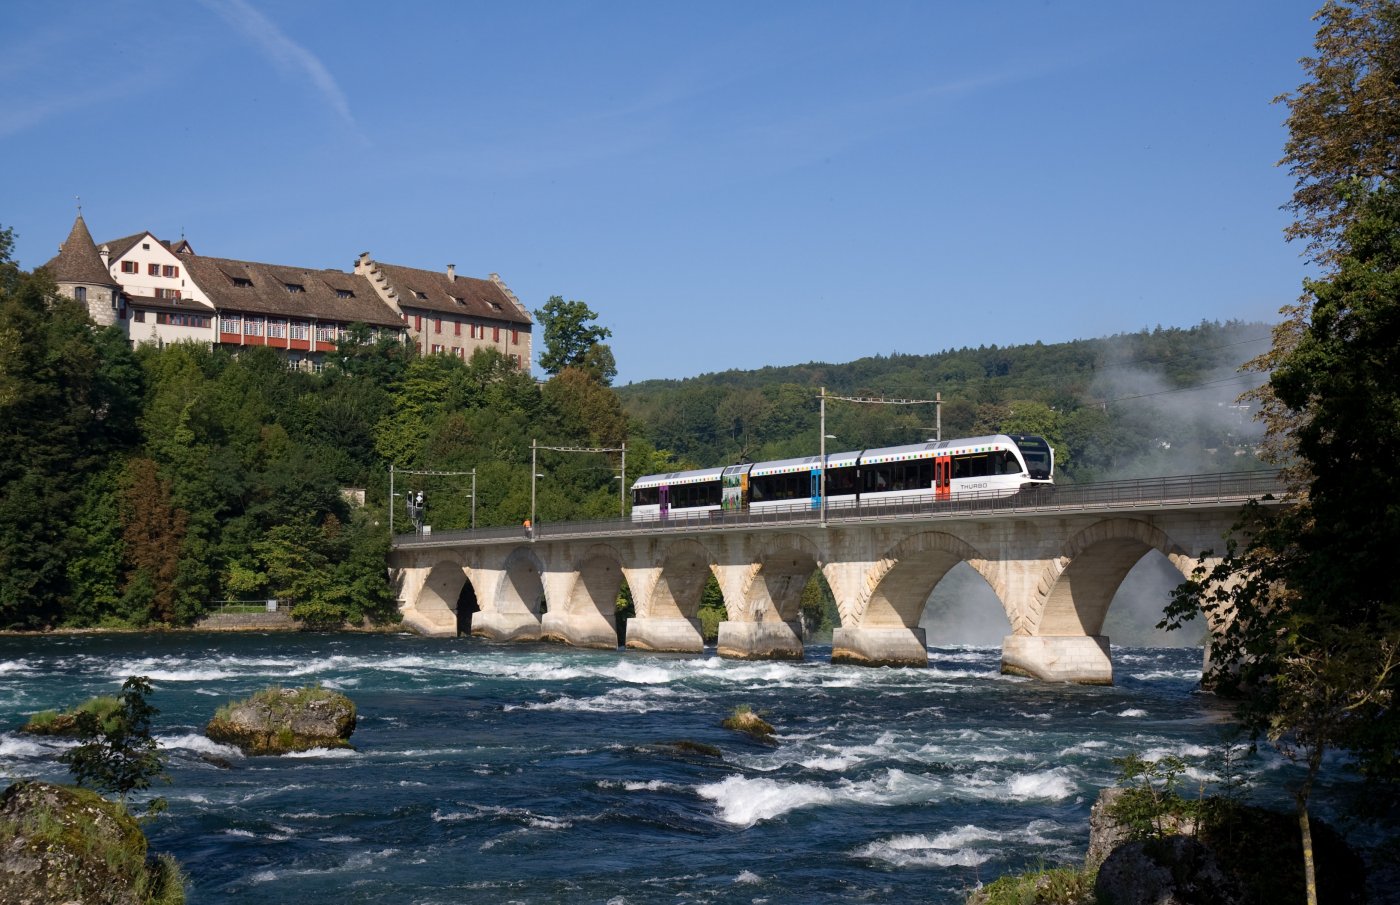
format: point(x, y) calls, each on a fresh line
point(419, 295)
point(459, 300)
point(344, 294)
point(496, 305)
point(242, 282)
point(295, 288)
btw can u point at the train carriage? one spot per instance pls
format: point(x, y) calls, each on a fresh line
point(936, 470)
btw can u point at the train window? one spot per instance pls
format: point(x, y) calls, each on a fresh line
point(978, 466)
point(841, 481)
point(1037, 453)
point(646, 496)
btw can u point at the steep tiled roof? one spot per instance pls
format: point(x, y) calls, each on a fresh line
point(119, 247)
point(433, 290)
point(250, 287)
point(78, 261)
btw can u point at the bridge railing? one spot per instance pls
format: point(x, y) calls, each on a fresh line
point(1136, 493)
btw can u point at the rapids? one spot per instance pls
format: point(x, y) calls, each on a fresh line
point(544, 774)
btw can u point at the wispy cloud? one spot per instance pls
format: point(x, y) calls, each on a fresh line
point(288, 55)
point(21, 114)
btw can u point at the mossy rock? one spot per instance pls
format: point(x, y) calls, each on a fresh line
point(284, 720)
point(51, 722)
point(743, 719)
point(60, 844)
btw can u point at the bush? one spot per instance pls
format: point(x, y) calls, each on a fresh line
point(1047, 886)
point(118, 754)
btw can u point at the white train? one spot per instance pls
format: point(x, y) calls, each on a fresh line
point(997, 465)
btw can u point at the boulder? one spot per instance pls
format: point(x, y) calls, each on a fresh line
point(60, 844)
point(283, 720)
point(1173, 870)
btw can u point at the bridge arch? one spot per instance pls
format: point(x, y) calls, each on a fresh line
point(439, 600)
point(1076, 588)
point(772, 586)
point(514, 598)
point(898, 586)
point(585, 615)
point(685, 566)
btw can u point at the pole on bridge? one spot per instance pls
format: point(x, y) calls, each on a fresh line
point(823, 455)
point(534, 452)
point(391, 502)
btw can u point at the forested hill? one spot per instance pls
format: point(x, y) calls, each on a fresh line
point(1159, 401)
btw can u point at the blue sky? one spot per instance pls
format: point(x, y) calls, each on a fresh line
point(730, 185)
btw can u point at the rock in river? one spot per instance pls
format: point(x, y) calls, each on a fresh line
point(282, 720)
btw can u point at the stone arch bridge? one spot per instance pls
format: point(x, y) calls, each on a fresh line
point(1054, 562)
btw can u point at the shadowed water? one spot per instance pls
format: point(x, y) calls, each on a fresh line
point(543, 774)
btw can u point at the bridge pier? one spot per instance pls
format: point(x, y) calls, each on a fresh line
point(760, 641)
point(498, 626)
point(668, 635)
point(1082, 659)
point(894, 646)
point(594, 632)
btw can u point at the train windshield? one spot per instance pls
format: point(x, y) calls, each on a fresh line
point(1037, 455)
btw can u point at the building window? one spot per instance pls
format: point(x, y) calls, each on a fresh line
point(298, 330)
point(130, 267)
point(233, 324)
point(515, 337)
point(295, 288)
point(344, 294)
point(456, 328)
point(417, 323)
point(153, 270)
point(459, 352)
point(80, 293)
point(419, 295)
point(168, 294)
point(277, 329)
point(495, 334)
point(515, 360)
point(242, 282)
point(437, 349)
point(253, 327)
point(139, 316)
point(325, 333)
point(169, 271)
point(180, 319)
point(437, 325)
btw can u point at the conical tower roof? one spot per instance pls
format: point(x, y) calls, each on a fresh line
point(78, 260)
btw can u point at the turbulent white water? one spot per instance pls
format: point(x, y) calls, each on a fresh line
point(550, 775)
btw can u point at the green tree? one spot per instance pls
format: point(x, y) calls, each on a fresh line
point(570, 336)
point(116, 753)
point(66, 399)
point(1344, 122)
point(1306, 618)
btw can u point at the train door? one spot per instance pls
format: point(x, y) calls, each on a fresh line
point(942, 477)
point(665, 496)
point(816, 488)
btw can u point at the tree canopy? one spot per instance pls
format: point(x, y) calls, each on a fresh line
point(572, 339)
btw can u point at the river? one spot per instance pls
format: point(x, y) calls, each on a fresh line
point(544, 774)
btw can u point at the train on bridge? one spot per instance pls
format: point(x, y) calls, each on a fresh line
point(996, 465)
